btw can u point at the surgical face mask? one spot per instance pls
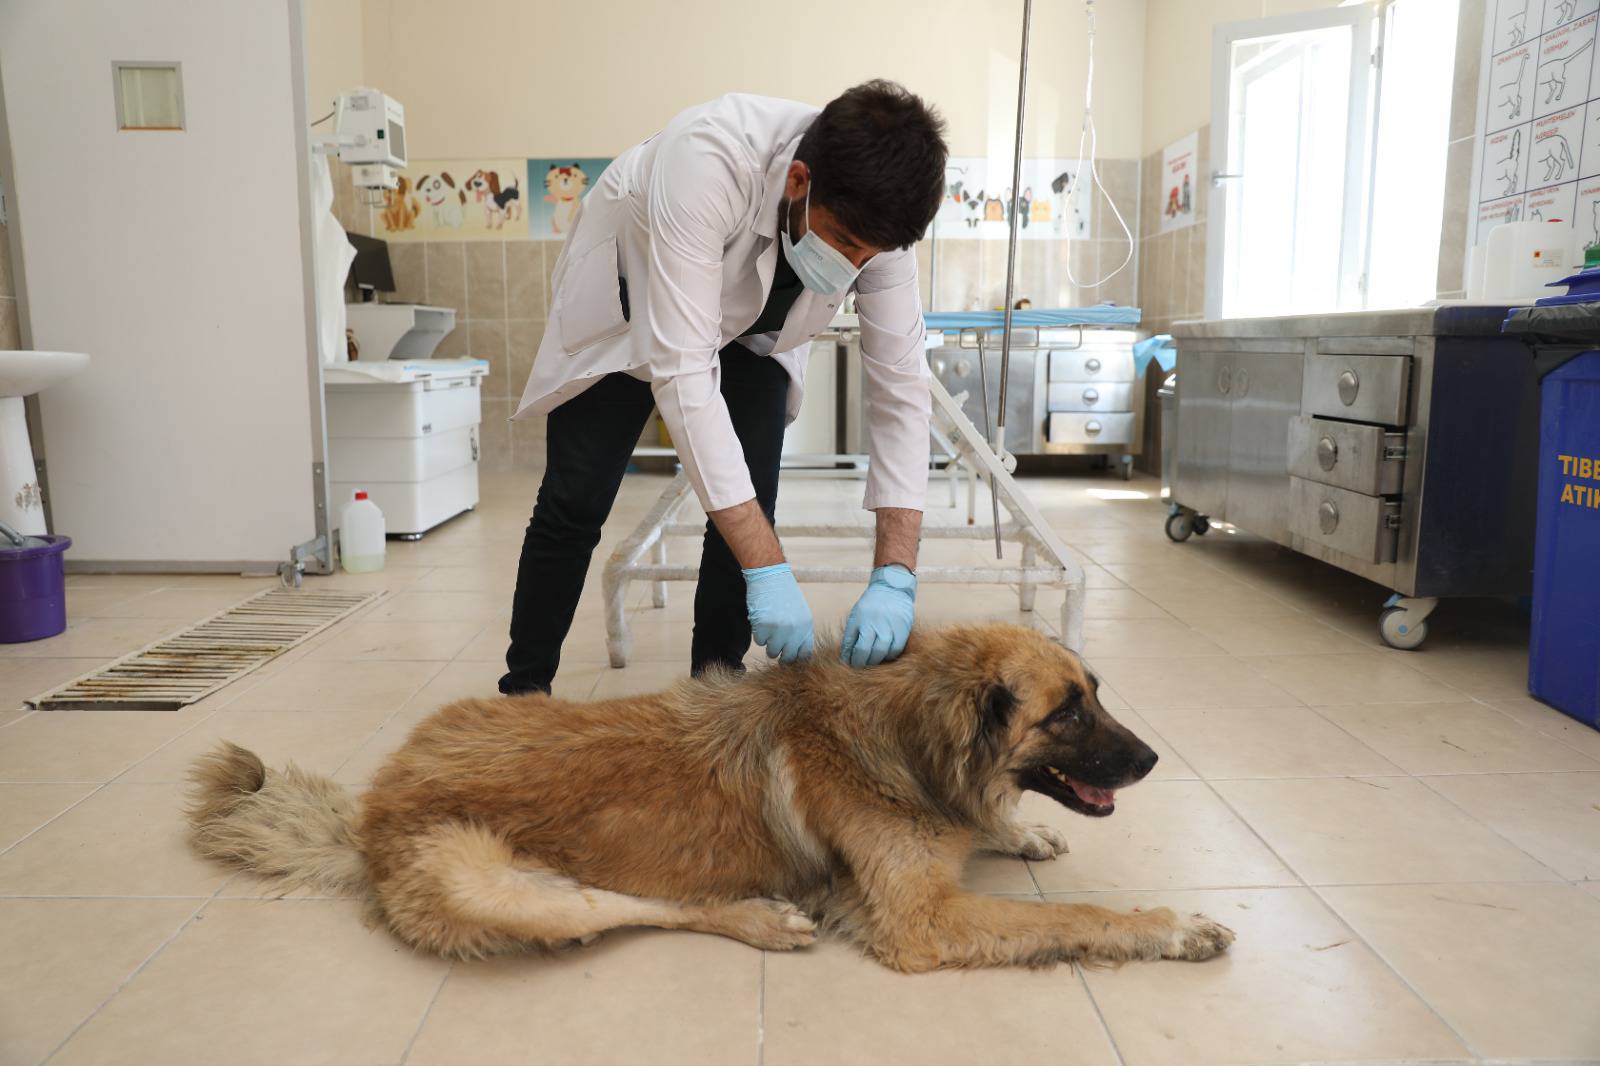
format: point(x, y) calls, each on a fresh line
point(819, 265)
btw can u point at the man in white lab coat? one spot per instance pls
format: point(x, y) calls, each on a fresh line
point(702, 264)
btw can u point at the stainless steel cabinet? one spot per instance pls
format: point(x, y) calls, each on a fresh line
point(1398, 445)
point(1233, 449)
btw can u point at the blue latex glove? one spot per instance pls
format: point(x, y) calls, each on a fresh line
point(780, 620)
point(880, 623)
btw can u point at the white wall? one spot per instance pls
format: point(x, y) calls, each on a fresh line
point(335, 57)
point(1177, 59)
point(174, 259)
point(513, 78)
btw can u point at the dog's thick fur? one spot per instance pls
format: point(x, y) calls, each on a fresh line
point(855, 794)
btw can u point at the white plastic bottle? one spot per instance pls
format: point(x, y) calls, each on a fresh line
point(361, 535)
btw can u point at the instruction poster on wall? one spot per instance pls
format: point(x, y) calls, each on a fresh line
point(1178, 161)
point(977, 202)
point(1539, 142)
point(457, 200)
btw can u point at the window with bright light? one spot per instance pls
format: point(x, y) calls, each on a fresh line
point(1331, 188)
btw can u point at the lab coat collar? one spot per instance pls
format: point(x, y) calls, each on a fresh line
point(765, 223)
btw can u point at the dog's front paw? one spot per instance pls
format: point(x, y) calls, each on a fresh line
point(774, 924)
point(1195, 937)
point(1039, 842)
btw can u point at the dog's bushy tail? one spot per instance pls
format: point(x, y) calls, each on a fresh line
point(277, 823)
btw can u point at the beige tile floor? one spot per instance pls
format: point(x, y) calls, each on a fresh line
point(1408, 846)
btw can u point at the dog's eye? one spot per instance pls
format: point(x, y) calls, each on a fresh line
point(1069, 713)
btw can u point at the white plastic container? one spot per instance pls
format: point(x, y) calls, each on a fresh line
point(1524, 257)
point(361, 539)
point(1476, 260)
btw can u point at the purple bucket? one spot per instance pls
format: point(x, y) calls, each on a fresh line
point(33, 590)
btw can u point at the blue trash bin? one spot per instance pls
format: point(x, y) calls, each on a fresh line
point(1564, 651)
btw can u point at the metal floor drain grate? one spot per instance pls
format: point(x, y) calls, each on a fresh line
point(188, 666)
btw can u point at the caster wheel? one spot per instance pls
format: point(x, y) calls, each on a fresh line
point(1202, 525)
point(290, 575)
point(1127, 468)
point(1399, 633)
point(1179, 527)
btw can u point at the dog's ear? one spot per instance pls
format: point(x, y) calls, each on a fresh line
point(494, 181)
point(448, 180)
point(424, 180)
point(996, 704)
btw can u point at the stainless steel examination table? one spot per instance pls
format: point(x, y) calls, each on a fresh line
point(1397, 445)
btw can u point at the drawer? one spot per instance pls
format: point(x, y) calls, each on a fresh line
point(1096, 365)
point(1348, 455)
point(1362, 388)
point(1361, 526)
point(1073, 427)
point(1089, 396)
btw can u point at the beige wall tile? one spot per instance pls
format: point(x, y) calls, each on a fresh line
point(494, 436)
point(1454, 223)
point(454, 345)
point(550, 251)
point(1469, 53)
point(8, 286)
point(525, 279)
point(486, 279)
point(960, 274)
point(410, 273)
point(486, 339)
point(1196, 302)
point(1178, 282)
point(447, 275)
point(1149, 194)
point(10, 327)
point(1202, 188)
point(1120, 178)
point(522, 341)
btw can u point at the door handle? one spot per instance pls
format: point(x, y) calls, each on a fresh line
point(1218, 177)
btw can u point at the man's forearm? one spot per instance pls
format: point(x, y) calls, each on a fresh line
point(899, 530)
point(749, 535)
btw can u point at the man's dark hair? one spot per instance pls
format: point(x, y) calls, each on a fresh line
point(877, 158)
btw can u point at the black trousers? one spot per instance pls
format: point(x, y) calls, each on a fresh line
point(589, 441)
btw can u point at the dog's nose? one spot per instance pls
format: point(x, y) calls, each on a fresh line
point(1145, 761)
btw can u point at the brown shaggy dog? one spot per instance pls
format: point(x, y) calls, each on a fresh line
point(855, 794)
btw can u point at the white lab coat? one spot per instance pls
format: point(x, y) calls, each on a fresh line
point(689, 218)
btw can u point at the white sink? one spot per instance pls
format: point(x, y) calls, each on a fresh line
point(25, 373)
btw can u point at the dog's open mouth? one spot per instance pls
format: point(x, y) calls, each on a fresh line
point(1092, 800)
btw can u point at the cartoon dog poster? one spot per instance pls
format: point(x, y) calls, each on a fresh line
point(462, 200)
point(555, 189)
point(977, 201)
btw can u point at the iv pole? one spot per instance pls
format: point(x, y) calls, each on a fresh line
point(1011, 264)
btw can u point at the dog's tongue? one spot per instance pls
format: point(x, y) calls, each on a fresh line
point(1099, 797)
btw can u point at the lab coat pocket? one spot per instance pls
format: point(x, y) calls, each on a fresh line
point(593, 303)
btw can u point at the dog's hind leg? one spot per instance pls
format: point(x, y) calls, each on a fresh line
point(464, 892)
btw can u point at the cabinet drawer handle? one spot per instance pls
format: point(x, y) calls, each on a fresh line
point(1349, 386)
point(1224, 381)
point(1092, 428)
point(1327, 453)
point(1091, 396)
point(1092, 366)
point(1328, 516)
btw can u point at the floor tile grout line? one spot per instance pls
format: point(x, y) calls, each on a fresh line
point(1360, 936)
point(1395, 970)
point(1105, 1026)
point(58, 815)
point(334, 776)
point(438, 990)
point(1423, 781)
point(761, 1012)
point(1526, 725)
point(137, 970)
